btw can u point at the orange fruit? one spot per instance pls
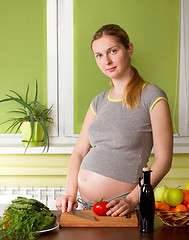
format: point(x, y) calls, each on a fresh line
point(156, 205)
point(163, 206)
point(188, 206)
point(172, 209)
point(181, 208)
point(186, 197)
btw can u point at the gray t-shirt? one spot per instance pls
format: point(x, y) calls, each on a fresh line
point(121, 139)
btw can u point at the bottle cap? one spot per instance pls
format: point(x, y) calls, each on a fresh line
point(146, 169)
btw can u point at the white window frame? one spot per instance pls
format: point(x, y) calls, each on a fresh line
point(184, 69)
point(60, 85)
point(60, 67)
point(181, 141)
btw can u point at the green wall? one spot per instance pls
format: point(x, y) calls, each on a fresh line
point(23, 50)
point(153, 27)
point(33, 170)
point(51, 170)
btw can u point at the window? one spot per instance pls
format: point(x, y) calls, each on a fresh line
point(65, 75)
point(60, 82)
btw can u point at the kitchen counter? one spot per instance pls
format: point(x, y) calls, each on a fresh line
point(161, 231)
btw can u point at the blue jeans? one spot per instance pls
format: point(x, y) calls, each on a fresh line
point(89, 205)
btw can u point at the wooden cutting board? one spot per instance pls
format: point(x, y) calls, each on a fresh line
point(68, 220)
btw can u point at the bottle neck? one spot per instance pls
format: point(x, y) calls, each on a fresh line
point(147, 177)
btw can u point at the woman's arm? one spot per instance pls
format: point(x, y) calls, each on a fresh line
point(163, 150)
point(163, 141)
point(80, 150)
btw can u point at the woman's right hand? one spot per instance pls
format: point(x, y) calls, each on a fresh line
point(66, 203)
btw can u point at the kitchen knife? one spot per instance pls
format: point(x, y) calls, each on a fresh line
point(80, 214)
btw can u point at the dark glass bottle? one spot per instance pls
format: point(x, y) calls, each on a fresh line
point(146, 202)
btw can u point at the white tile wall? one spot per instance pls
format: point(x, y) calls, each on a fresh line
point(46, 195)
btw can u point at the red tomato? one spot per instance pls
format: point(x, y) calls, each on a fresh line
point(100, 208)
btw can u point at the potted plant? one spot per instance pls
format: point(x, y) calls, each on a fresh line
point(32, 121)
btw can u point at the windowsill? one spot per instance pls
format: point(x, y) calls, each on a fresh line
point(58, 145)
point(19, 149)
point(181, 145)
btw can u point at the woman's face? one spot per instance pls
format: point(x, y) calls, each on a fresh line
point(112, 57)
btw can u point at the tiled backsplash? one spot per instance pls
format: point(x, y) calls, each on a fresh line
point(46, 195)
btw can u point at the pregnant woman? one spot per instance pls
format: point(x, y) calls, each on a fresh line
point(120, 129)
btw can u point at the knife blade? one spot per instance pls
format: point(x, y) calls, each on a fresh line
point(80, 214)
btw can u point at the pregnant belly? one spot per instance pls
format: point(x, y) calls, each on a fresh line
point(93, 186)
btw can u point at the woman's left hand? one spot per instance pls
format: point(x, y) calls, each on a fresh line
point(120, 207)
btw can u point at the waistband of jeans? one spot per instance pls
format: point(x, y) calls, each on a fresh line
point(88, 205)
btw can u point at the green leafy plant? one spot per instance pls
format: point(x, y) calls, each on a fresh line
point(24, 218)
point(29, 112)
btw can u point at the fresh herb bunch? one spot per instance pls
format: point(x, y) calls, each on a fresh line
point(24, 217)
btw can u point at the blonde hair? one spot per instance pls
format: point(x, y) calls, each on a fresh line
point(132, 91)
